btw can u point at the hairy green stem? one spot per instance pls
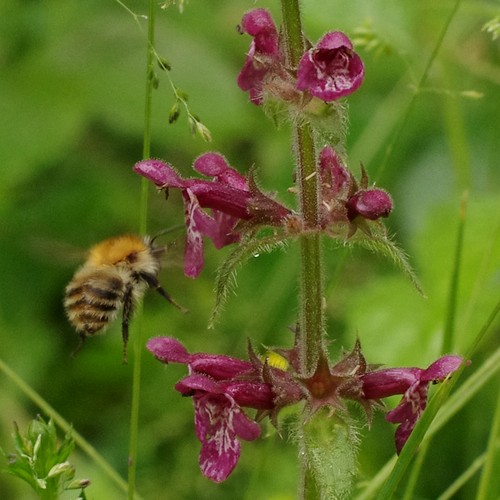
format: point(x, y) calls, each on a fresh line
point(311, 289)
point(311, 283)
point(138, 343)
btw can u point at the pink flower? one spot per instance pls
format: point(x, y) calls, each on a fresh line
point(331, 69)
point(230, 196)
point(413, 383)
point(220, 387)
point(263, 55)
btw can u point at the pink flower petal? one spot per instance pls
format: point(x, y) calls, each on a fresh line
point(383, 383)
point(441, 368)
point(197, 223)
point(256, 22)
point(159, 172)
point(197, 383)
point(335, 178)
point(219, 421)
point(334, 40)
point(250, 394)
point(168, 350)
point(215, 165)
point(218, 366)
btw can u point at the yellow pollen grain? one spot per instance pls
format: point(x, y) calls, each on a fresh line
point(275, 360)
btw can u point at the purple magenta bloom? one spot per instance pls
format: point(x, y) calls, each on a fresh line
point(263, 55)
point(331, 69)
point(230, 196)
point(413, 383)
point(220, 387)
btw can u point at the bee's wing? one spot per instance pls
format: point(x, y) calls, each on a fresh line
point(50, 250)
point(173, 254)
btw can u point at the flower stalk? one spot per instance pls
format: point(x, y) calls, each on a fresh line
point(311, 284)
point(311, 281)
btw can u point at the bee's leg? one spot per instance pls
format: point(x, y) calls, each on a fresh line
point(78, 348)
point(128, 305)
point(154, 283)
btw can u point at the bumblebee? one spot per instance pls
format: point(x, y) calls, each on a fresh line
point(116, 274)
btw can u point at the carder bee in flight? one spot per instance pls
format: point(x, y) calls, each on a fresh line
point(116, 273)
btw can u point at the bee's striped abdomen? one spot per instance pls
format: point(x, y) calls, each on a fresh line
point(93, 298)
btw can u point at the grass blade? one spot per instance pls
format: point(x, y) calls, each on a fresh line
point(487, 482)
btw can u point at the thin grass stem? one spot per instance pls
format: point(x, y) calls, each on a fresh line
point(143, 215)
point(404, 119)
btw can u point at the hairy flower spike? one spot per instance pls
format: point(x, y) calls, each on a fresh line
point(331, 69)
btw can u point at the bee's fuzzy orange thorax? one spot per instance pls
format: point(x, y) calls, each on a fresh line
point(114, 250)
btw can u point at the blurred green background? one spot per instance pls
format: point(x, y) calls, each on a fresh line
point(71, 122)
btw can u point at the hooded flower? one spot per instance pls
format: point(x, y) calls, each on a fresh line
point(230, 196)
point(331, 69)
point(263, 56)
point(220, 387)
point(413, 384)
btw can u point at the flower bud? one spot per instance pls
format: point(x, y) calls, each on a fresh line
point(370, 204)
point(58, 469)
